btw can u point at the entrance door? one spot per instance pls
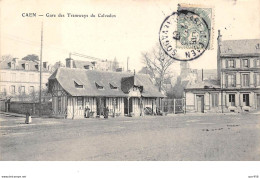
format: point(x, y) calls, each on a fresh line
point(258, 101)
point(101, 104)
point(246, 99)
point(125, 106)
point(200, 103)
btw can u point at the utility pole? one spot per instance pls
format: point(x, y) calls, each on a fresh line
point(40, 95)
point(202, 77)
point(127, 64)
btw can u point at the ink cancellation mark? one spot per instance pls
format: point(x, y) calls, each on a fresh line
point(184, 35)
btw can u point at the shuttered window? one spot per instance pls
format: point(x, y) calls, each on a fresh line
point(245, 80)
point(231, 80)
point(59, 104)
point(231, 63)
point(214, 99)
point(80, 102)
point(245, 63)
point(232, 99)
point(257, 79)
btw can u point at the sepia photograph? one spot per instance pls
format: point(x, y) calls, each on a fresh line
point(150, 82)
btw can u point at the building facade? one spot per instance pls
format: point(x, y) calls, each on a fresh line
point(95, 64)
point(75, 90)
point(237, 87)
point(21, 77)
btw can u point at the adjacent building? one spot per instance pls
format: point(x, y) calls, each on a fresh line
point(95, 64)
point(75, 89)
point(237, 87)
point(21, 77)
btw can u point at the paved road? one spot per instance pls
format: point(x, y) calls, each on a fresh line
point(179, 137)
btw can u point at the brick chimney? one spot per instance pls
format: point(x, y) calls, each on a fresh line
point(69, 63)
point(44, 65)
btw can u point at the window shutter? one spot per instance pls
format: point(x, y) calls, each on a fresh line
point(249, 62)
point(255, 82)
point(255, 62)
point(226, 63)
point(234, 63)
point(235, 81)
point(226, 81)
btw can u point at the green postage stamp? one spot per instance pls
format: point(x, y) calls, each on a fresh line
point(186, 34)
point(195, 35)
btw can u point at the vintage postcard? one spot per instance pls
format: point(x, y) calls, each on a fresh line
point(151, 80)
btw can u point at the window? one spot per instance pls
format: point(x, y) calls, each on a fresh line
point(22, 89)
point(31, 77)
point(2, 76)
point(215, 100)
point(231, 63)
point(257, 63)
point(232, 99)
point(80, 102)
point(87, 101)
point(99, 86)
point(13, 77)
point(257, 78)
point(13, 65)
point(31, 90)
point(245, 80)
point(23, 79)
point(59, 104)
point(2, 89)
point(13, 89)
point(115, 102)
point(245, 63)
point(78, 84)
point(113, 86)
point(231, 80)
point(86, 66)
point(26, 66)
point(246, 99)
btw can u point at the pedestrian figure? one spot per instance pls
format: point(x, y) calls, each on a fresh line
point(28, 118)
point(106, 113)
point(87, 112)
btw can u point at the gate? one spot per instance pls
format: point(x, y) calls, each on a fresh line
point(173, 105)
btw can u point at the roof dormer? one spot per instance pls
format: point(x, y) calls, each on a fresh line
point(78, 84)
point(113, 86)
point(99, 85)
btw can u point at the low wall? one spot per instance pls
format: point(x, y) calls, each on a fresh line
point(32, 108)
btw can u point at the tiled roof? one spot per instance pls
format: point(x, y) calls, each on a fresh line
point(240, 47)
point(20, 65)
point(81, 64)
point(89, 78)
point(204, 84)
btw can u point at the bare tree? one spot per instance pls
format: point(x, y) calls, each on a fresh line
point(158, 63)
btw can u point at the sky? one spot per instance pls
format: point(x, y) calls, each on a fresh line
point(134, 30)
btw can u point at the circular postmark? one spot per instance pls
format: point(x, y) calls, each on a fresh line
point(184, 35)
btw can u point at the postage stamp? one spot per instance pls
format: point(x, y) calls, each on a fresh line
point(185, 35)
point(206, 13)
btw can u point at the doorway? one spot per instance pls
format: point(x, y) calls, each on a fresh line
point(246, 99)
point(258, 101)
point(200, 103)
point(128, 103)
point(101, 104)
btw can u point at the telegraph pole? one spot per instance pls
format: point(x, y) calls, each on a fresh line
point(40, 95)
point(127, 64)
